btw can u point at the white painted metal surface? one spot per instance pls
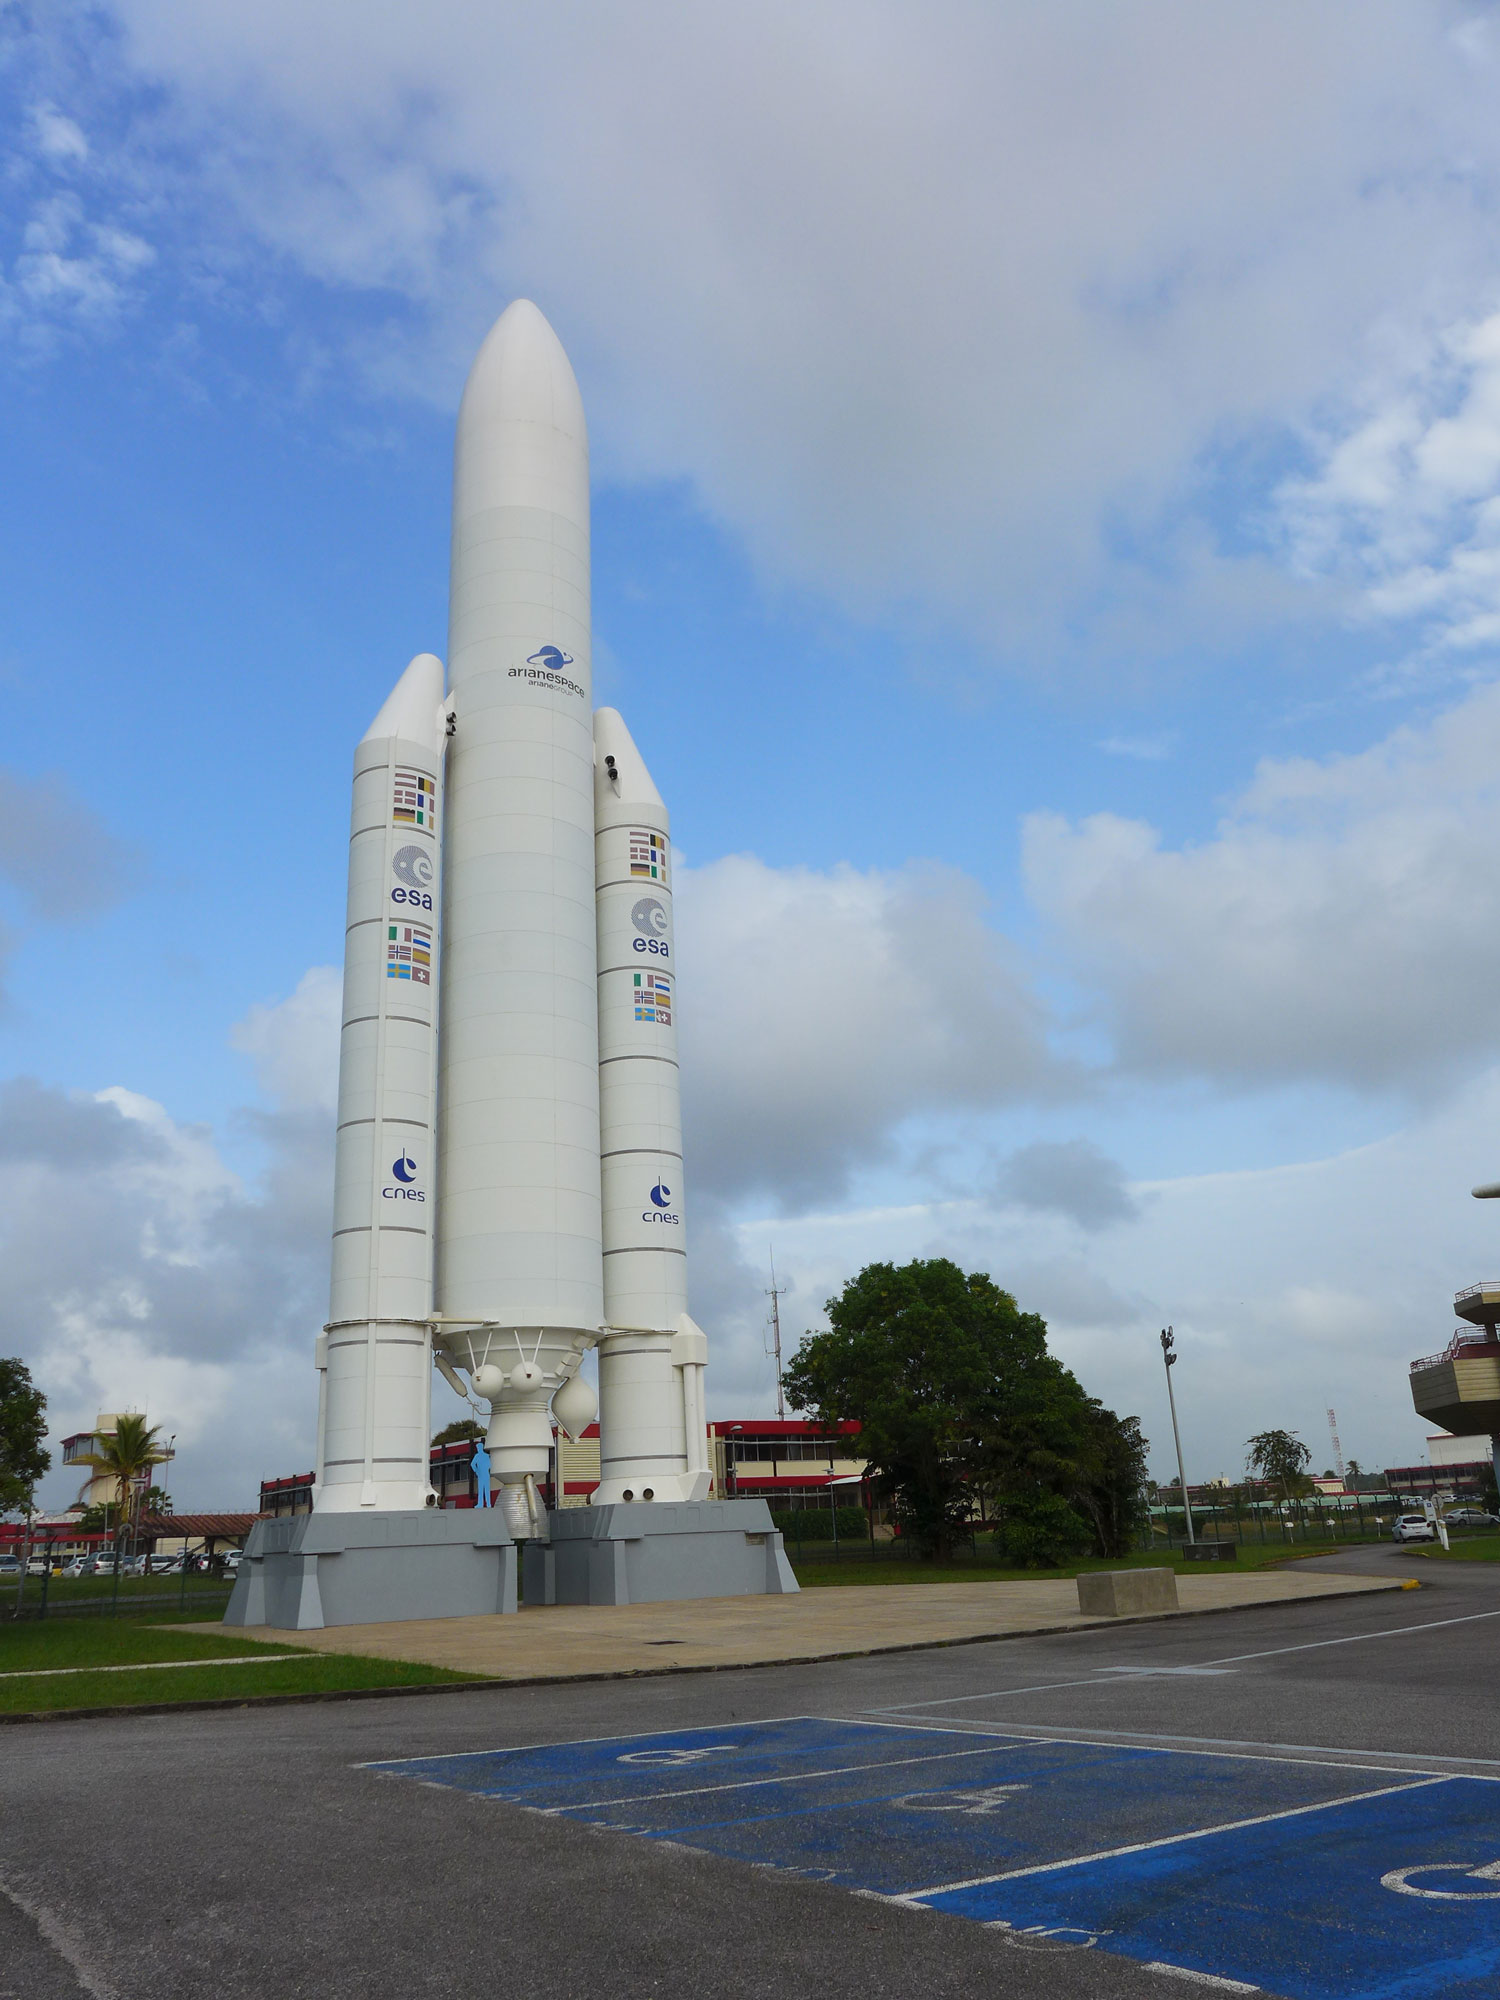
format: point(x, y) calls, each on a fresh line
point(650, 1359)
point(493, 1237)
point(375, 1354)
point(519, 1278)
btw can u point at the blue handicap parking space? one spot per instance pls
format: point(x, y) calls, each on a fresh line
point(1316, 1880)
point(1377, 1898)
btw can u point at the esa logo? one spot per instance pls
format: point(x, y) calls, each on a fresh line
point(661, 1202)
point(650, 920)
point(405, 1169)
point(412, 868)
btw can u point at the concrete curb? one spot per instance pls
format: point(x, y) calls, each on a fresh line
point(481, 1686)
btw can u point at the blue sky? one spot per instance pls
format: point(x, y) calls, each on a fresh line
point(1046, 546)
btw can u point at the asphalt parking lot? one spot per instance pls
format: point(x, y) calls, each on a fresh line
point(1300, 1800)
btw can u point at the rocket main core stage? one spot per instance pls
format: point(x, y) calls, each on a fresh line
point(509, 1182)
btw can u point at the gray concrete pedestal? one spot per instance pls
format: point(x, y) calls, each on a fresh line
point(650, 1552)
point(362, 1569)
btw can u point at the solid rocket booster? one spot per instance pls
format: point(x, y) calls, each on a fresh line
point(651, 1356)
point(519, 1271)
point(375, 1355)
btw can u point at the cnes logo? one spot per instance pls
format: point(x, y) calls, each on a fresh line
point(405, 1170)
point(661, 1203)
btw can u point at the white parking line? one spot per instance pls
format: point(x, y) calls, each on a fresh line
point(63, 1939)
point(384, 1764)
point(1211, 1979)
point(749, 1784)
point(1225, 1660)
point(1421, 1764)
point(1015, 1734)
point(1167, 1840)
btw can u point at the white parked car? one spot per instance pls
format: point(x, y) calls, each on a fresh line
point(1413, 1528)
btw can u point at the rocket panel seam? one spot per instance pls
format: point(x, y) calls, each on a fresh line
point(422, 1124)
point(670, 1061)
point(646, 1250)
point(656, 1152)
point(384, 1339)
point(386, 1229)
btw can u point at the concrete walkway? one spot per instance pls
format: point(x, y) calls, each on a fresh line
point(566, 1642)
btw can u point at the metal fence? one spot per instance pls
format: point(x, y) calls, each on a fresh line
point(188, 1595)
point(1297, 1524)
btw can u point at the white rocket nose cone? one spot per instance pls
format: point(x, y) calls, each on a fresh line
point(522, 439)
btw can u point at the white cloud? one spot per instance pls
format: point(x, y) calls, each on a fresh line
point(1069, 1177)
point(294, 1043)
point(1342, 924)
point(1404, 501)
point(1292, 1289)
point(949, 318)
point(57, 138)
point(141, 1272)
point(56, 851)
point(73, 271)
point(826, 1009)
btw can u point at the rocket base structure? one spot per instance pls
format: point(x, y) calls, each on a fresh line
point(508, 1187)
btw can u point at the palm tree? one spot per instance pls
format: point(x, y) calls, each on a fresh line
point(123, 1455)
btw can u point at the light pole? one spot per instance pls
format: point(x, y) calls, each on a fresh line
point(736, 1431)
point(1169, 1357)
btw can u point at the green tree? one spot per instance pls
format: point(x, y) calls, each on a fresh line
point(954, 1392)
point(1111, 1479)
point(23, 1458)
point(122, 1455)
point(462, 1430)
point(1281, 1459)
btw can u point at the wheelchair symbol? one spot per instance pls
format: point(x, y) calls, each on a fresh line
point(680, 1756)
point(1400, 1880)
point(987, 1799)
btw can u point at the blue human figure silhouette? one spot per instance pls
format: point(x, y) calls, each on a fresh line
point(481, 1464)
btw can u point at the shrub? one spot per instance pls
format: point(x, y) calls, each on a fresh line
point(815, 1524)
point(1040, 1531)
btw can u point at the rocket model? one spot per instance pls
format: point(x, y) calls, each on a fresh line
point(508, 1186)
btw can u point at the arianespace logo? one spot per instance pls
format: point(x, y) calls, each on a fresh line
point(661, 1205)
point(545, 666)
point(405, 1170)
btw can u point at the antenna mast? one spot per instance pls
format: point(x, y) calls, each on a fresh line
point(1338, 1449)
point(775, 1296)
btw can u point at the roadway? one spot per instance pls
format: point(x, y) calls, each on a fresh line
point(1300, 1799)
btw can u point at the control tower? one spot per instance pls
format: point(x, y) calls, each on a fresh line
point(1460, 1388)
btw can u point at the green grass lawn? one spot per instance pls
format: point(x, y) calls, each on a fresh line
point(813, 1572)
point(1472, 1548)
point(35, 1657)
point(147, 1591)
